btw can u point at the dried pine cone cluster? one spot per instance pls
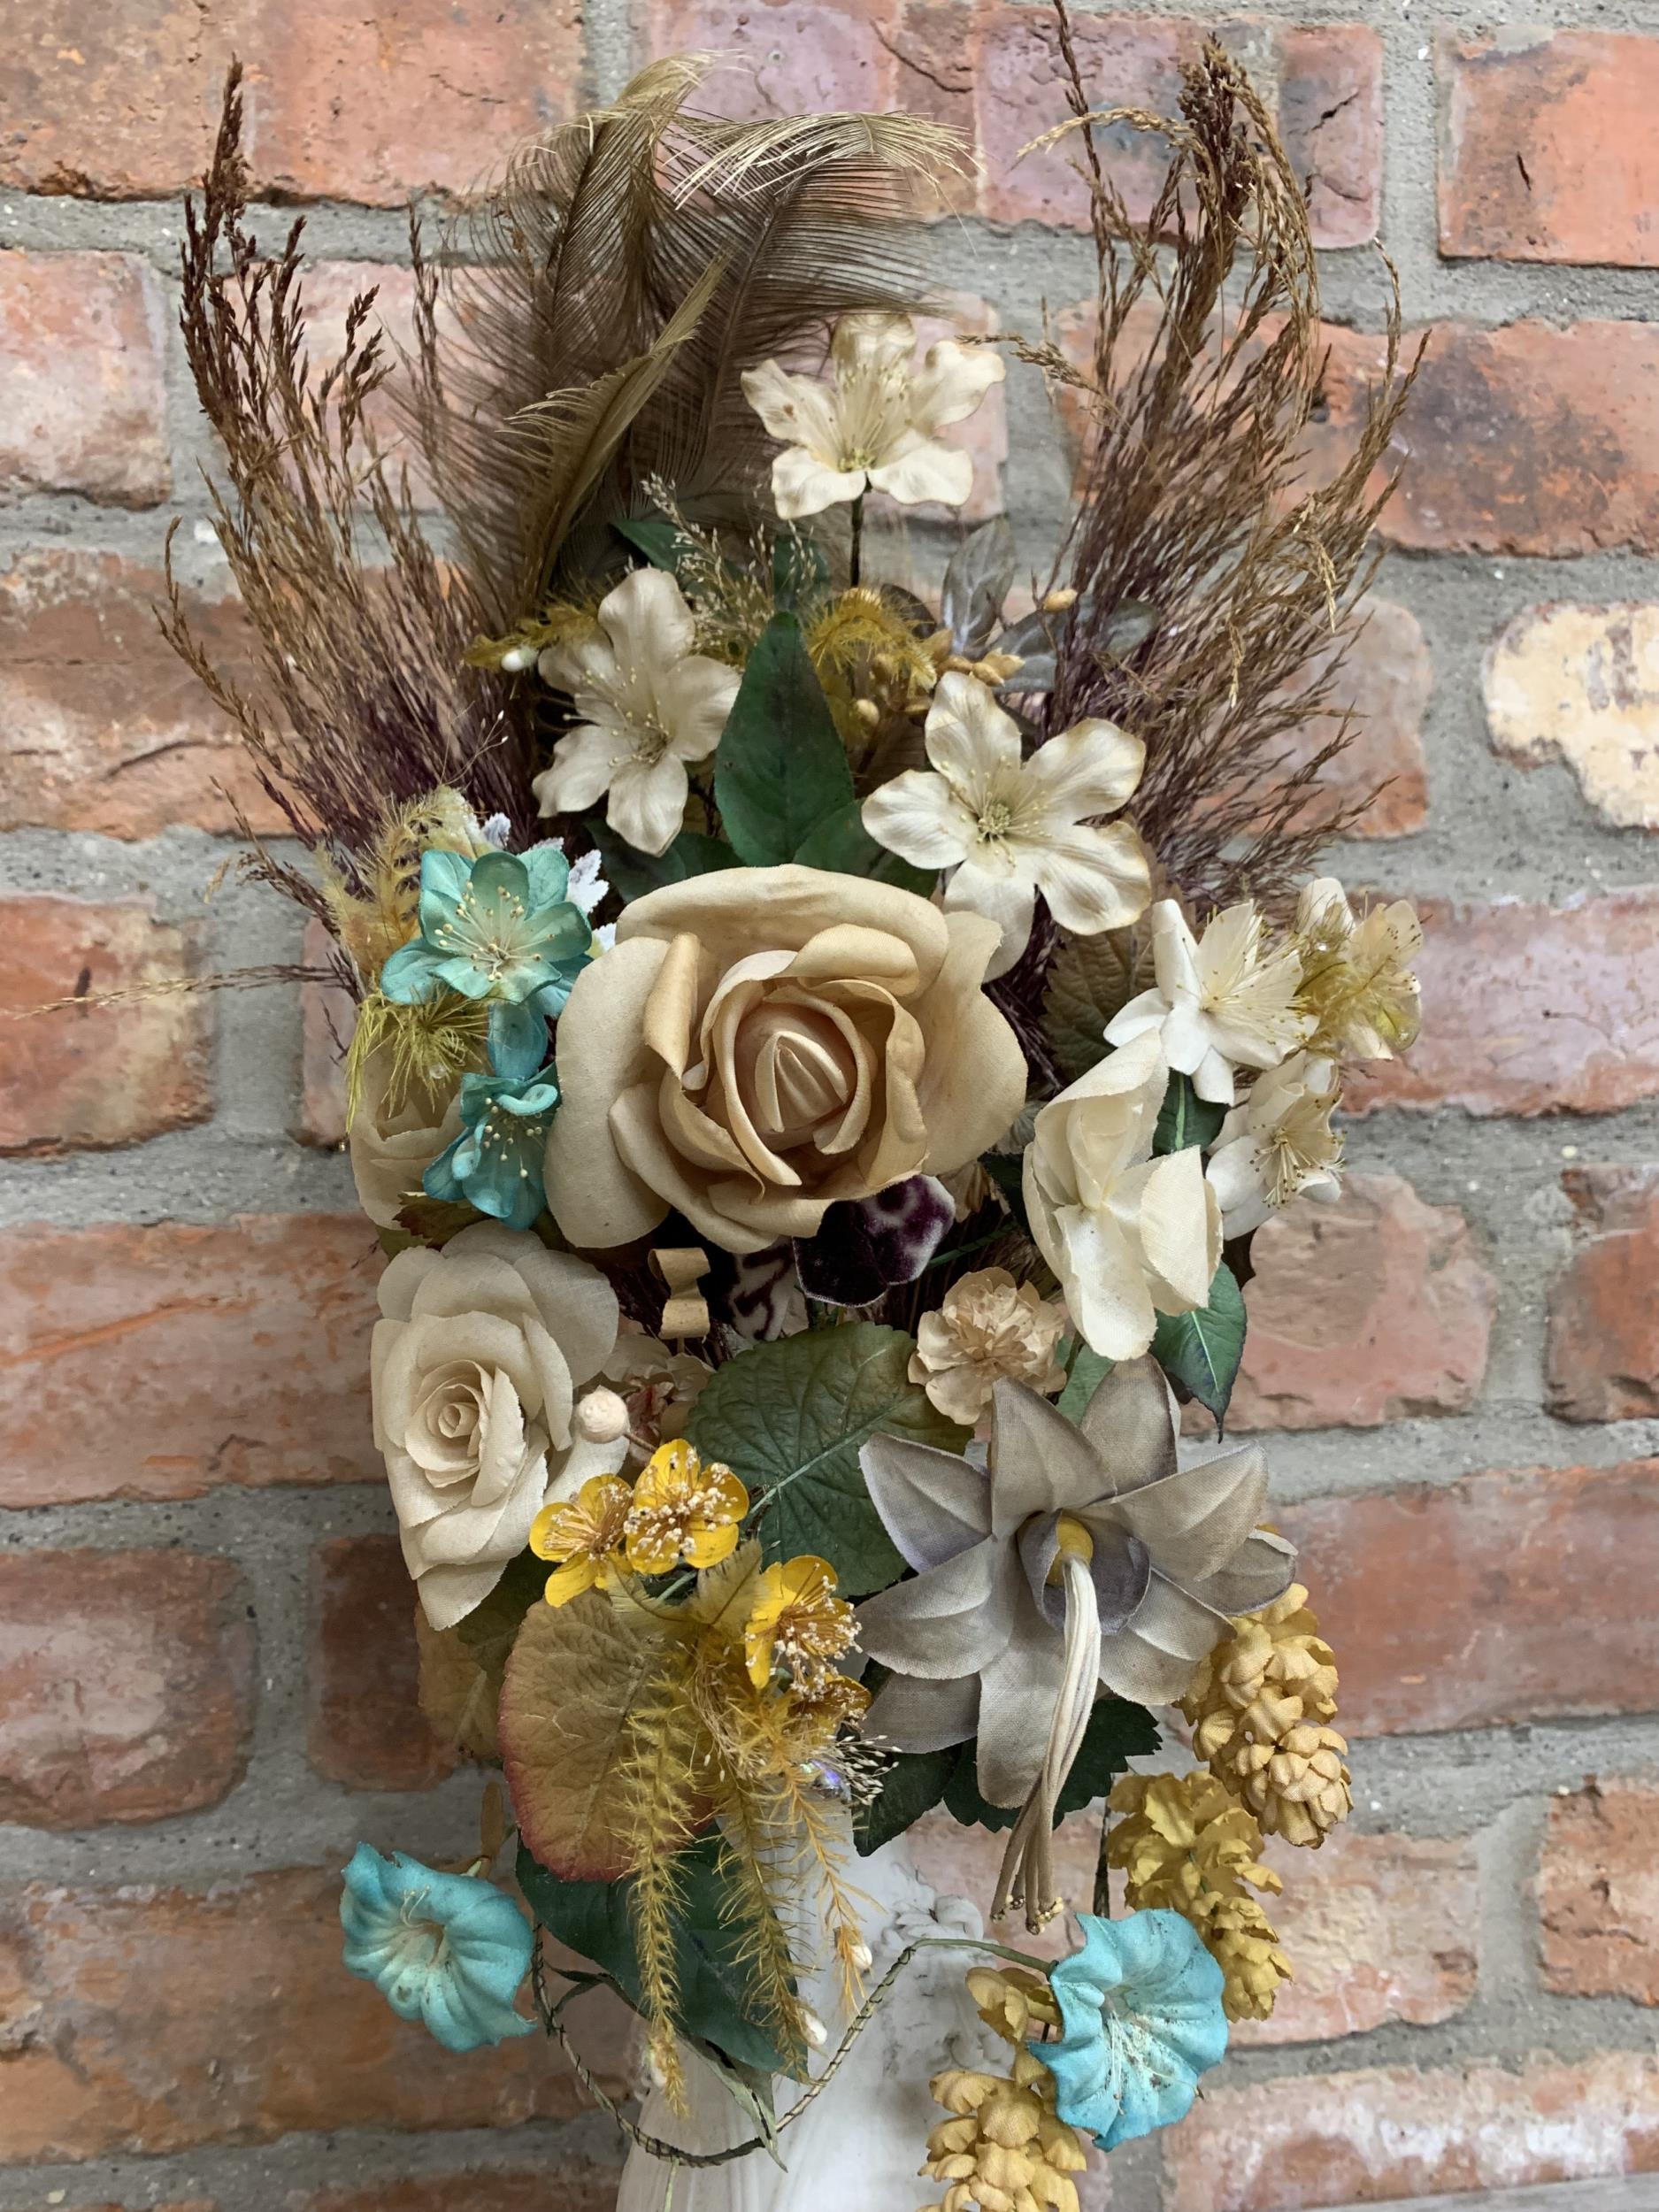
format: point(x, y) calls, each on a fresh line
point(1259, 1706)
point(1184, 1843)
point(1006, 2149)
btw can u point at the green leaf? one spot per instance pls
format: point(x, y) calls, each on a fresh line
point(660, 542)
point(631, 874)
point(1186, 1119)
point(1090, 978)
point(1116, 1732)
point(1088, 1370)
point(1201, 1351)
point(716, 1993)
point(1007, 1170)
point(845, 847)
point(912, 1786)
point(780, 767)
point(790, 1419)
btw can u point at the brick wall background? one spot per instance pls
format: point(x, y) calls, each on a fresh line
point(206, 1665)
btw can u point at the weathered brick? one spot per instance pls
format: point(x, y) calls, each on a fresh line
point(1385, 684)
point(1547, 149)
point(1325, 81)
point(341, 105)
point(126, 1685)
point(99, 1075)
point(1531, 1010)
point(1523, 439)
point(239, 1984)
point(161, 1360)
point(109, 730)
point(82, 335)
point(1496, 1598)
point(781, 57)
point(1598, 1893)
point(1358, 2138)
point(1580, 685)
point(566, 2179)
point(1377, 1927)
point(1601, 1359)
point(367, 1726)
point(327, 1013)
point(1373, 1308)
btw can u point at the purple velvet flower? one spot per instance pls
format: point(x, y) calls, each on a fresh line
point(864, 1247)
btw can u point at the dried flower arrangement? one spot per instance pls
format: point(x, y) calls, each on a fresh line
point(795, 1279)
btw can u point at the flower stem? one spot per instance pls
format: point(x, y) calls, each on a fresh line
point(855, 566)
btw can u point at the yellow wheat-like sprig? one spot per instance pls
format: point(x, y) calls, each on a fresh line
point(659, 1786)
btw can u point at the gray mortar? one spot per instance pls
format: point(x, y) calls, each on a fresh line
point(1493, 830)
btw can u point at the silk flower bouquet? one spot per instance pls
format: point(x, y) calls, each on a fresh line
point(821, 1053)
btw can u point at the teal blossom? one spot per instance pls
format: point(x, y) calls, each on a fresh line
point(504, 927)
point(495, 1162)
point(447, 1949)
point(1141, 2007)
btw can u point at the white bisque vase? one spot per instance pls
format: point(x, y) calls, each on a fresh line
point(863, 2140)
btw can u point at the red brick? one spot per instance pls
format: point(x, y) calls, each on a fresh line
point(1499, 1598)
point(341, 104)
point(99, 1075)
point(82, 335)
point(112, 732)
point(1579, 684)
point(367, 1726)
point(1359, 2137)
point(1522, 438)
point(1598, 1893)
point(1531, 1010)
point(1384, 684)
point(1377, 1927)
point(328, 1014)
point(161, 1362)
point(567, 2181)
point(1326, 83)
point(779, 57)
point(126, 1685)
point(1374, 1309)
point(147, 2019)
point(1547, 150)
point(1603, 1355)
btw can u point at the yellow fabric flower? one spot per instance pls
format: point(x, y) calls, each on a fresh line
point(586, 1532)
point(683, 1511)
point(798, 1618)
point(1005, 2149)
point(1186, 1844)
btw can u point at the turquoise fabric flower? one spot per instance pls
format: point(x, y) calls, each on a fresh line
point(501, 928)
point(447, 1949)
point(495, 1162)
point(1142, 2006)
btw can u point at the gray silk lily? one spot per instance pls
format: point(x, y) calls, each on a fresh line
point(1083, 1554)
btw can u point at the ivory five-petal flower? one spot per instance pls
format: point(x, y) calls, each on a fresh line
point(1222, 1001)
point(649, 704)
point(876, 424)
point(1012, 827)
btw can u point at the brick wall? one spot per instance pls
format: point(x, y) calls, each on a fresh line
point(205, 1657)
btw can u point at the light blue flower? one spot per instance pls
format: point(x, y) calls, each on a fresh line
point(1142, 2006)
point(447, 1949)
point(495, 1162)
point(502, 928)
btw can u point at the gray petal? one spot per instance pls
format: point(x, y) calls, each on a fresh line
point(952, 1620)
point(1130, 1422)
point(1118, 1568)
point(914, 1715)
point(1195, 1520)
point(1260, 1570)
point(1016, 1701)
point(932, 1504)
point(1040, 1461)
point(1153, 1659)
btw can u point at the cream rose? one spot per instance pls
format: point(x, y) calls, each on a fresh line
point(474, 1369)
point(764, 1041)
point(391, 1151)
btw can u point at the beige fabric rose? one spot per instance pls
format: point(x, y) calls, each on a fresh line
point(764, 1041)
point(474, 1370)
point(391, 1151)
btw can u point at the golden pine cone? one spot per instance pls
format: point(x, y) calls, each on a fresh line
point(1006, 2149)
point(1244, 1944)
point(1299, 1787)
